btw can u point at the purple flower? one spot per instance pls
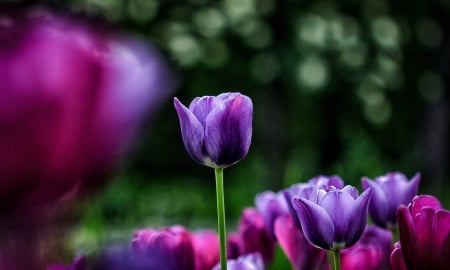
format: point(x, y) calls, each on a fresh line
point(252, 261)
point(301, 254)
point(424, 234)
point(371, 252)
point(305, 190)
point(216, 131)
point(169, 249)
point(255, 236)
point(333, 218)
point(71, 101)
point(80, 263)
point(271, 205)
point(206, 249)
point(389, 192)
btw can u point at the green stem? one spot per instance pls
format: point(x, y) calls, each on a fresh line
point(336, 262)
point(221, 218)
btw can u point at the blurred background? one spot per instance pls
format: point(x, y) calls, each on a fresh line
point(353, 88)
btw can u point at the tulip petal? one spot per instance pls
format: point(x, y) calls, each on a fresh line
point(316, 223)
point(202, 106)
point(422, 201)
point(192, 132)
point(396, 259)
point(378, 207)
point(228, 131)
point(408, 234)
point(298, 250)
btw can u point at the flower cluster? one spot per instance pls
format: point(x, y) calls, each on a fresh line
point(330, 216)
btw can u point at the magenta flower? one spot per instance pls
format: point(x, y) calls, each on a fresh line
point(206, 249)
point(255, 236)
point(80, 263)
point(333, 218)
point(252, 261)
point(170, 248)
point(371, 252)
point(216, 131)
point(271, 205)
point(424, 234)
point(301, 254)
point(71, 101)
point(396, 258)
point(235, 246)
point(389, 192)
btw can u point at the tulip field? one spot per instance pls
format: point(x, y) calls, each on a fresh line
point(232, 134)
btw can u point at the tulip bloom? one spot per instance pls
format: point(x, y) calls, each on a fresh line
point(301, 254)
point(71, 101)
point(216, 131)
point(248, 262)
point(235, 246)
point(271, 205)
point(255, 236)
point(169, 248)
point(389, 192)
point(371, 252)
point(424, 234)
point(333, 218)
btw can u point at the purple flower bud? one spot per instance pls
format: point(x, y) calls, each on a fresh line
point(255, 236)
point(80, 263)
point(389, 192)
point(424, 228)
point(333, 218)
point(206, 248)
point(252, 261)
point(301, 254)
point(371, 252)
point(271, 205)
point(169, 248)
point(216, 131)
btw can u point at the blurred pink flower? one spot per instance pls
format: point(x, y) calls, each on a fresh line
point(206, 249)
point(71, 102)
point(371, 252)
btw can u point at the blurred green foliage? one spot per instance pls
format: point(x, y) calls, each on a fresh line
point(354, 88)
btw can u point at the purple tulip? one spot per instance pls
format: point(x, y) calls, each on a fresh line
point(169, 249)
point(216, 131)
point(80, 263)
point(271, 205)
point(371, 252)
point(252, 261)
point(389, 192)
point(206, 249)
point(424, 234)
point(333, 218)
point(304, 190)
point(71, 101)
point(301, 254)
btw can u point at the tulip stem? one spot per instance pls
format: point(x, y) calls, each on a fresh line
point(336, 263)
point(221, 218)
